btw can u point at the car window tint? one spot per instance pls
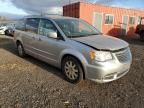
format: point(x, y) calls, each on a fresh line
point(32, 25)
point(45, 27)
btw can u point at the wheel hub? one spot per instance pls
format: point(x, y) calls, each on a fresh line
point(71, 70)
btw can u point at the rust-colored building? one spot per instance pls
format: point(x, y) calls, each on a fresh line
point(109, 20)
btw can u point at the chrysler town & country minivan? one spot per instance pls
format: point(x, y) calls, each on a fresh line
point(74, 46)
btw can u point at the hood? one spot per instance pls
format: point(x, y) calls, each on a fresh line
point(103, 42)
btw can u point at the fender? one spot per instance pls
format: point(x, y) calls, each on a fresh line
point(76, 54)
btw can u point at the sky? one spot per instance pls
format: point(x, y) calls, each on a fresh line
point(26, 7)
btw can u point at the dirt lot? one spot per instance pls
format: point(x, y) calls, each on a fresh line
point(27, 83)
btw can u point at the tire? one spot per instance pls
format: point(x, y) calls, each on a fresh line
point(20, 50)
point(6, 32)
point(72, 69)
point(142, 36)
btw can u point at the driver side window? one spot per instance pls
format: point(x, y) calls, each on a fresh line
point(45, 27)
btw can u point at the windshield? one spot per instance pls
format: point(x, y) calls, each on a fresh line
point(73, 28)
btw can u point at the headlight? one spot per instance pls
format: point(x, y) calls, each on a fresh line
point(100, 56)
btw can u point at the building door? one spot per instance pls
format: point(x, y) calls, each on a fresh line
point(124, 25)
point(138, 20)
point(97, 21)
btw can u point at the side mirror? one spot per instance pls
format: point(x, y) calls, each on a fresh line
point(52, 34)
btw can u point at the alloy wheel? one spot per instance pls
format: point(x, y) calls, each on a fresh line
point(71, 70)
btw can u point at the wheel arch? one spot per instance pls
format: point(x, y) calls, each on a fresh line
point(78, 56)
point(18, 42)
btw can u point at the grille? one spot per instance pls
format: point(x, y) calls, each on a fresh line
point(123, 56)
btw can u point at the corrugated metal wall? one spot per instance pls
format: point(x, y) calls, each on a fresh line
point(86, 11)
point(72, 10)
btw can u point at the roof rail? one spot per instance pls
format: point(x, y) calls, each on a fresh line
point(42, 15)
point(51, 14)
point(31, 16)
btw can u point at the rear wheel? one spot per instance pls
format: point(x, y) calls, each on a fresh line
point(20, 50)
point(72, 69)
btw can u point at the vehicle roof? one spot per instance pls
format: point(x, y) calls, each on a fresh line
point(49, 17)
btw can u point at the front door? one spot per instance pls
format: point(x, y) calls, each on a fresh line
point(124, 26)
point(97, 21)
point(49, 48)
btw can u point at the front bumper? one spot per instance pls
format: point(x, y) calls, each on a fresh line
point(103, 72)
point(107, 74)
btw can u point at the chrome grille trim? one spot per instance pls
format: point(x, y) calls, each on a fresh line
point(123, 56)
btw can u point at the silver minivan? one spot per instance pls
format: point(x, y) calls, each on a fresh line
point(74, 46)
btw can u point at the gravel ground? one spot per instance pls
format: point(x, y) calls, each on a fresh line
point(30, 83)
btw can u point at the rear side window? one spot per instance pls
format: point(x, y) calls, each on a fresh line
point(32, 25)
point(20, 25)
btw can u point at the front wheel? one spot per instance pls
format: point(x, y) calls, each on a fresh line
point(72, 69)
